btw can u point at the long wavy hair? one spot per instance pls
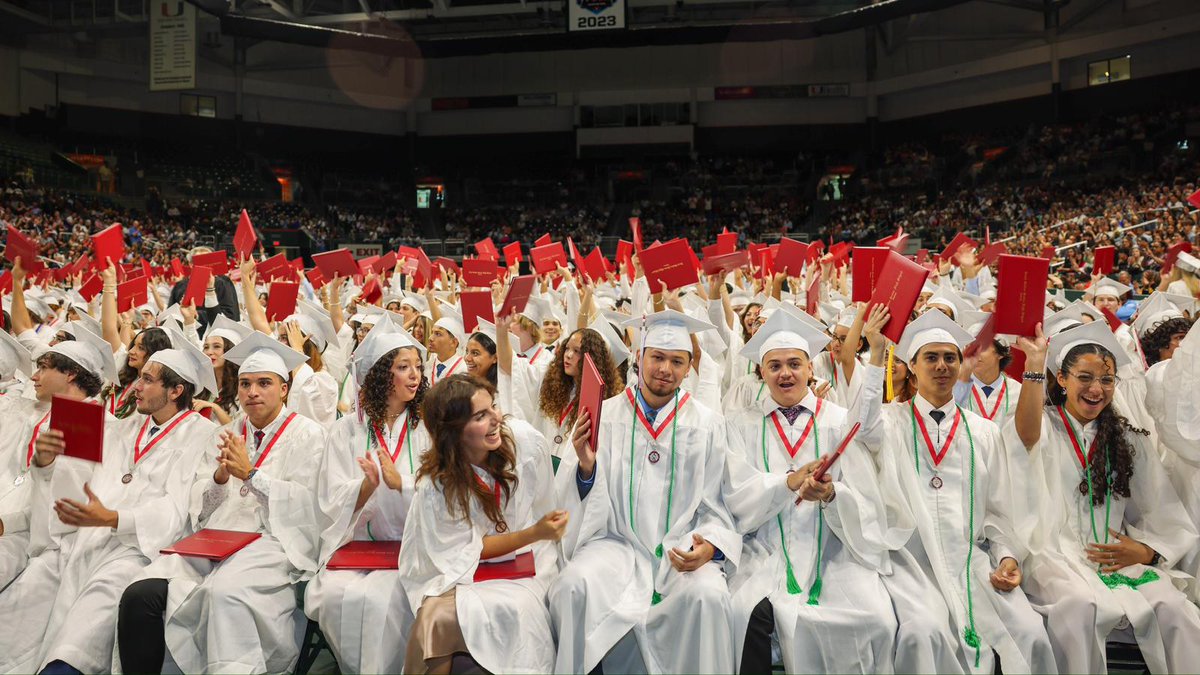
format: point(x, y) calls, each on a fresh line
point(447, 410)
point(742, 319)
point(560, 390)
point(1112, 464)
point(227, 381)
point(1159, 338)
point(493, 373)
point(378, 386)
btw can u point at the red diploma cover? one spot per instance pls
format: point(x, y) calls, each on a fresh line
point(90, 288)
point(898, 288)
point(520, 567)
point(518, 295)
point(591, 396)
point(487, 249)
point(21, 246)
point(1104, 258)
point(480, 272)
point(727, 242)
point(724, 262)
point(371, 292)
point(992, 252)
point(131, 294)
point(635, 227)
point(512, 255)
point(281, 300)
point(986, 335)
point(82, 425)
point(447, 264)
point(338, 262)
point(593, 265)
point(275, 267)
point(316, 278)
point(476, 305)
point(197, 286)
point(244, 239)
point(217, 261)
point(668, 263)
point(791, 256)
point(865, 266)
point(837, 454)
point(365, 555)
point(1020, 294)
point(386, 263)
point(108, 244)
point(956, 243)
point(1113, 322)
point(547, 257)
point(215, 545)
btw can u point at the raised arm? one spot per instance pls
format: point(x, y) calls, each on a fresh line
point(504, 352)
point(850, 346)
point(1028, 418)
point(110, 320)
point(19, 313)
point(254, 308)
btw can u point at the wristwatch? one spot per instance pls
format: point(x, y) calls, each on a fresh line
point(1156, 559)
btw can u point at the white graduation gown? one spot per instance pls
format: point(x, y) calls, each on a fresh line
point(20, 416)
point(998, 406)
point(504, 622)
point(690, 630)
point(1080, 609)
point(314, 395)
point(969, 519)
point(849, 625)
point(66, 600)
point(238, 615)
point(353, 607)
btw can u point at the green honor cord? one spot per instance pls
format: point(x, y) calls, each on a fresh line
point(970, 635)
point(1112, 579)
point(793, 585)
point(407, 443)
point(658, 552)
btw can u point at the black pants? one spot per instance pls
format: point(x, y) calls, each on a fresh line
point(140, 626)
point(756, 654)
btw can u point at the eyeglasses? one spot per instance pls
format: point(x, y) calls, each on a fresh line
point(1087, 379)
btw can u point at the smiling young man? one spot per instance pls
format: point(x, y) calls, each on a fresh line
point(447, 342)
point(237, 615)
point(133, 503)
point(648, 538)
point(955, 581)
point(830, 537)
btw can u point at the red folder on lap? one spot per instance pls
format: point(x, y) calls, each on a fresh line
point(82, 425)
point(365, 555)
point(215, 545)
point(520, 567)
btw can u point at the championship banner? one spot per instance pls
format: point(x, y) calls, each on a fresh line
point(595, 14)
point(172, 45)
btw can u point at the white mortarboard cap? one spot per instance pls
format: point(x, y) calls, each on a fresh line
point(845, 317)
point(90, 351)
point(785, 330)
point(323, 321)
point(14, 357)
point(616, 344)
point(1096, 332)
point(537, 310)
point(1071, 317)
point(1154, 310)
point(739, 298)
point(669, 330)
point(383, 338)
point(928, 287)
point(1107, 286)
point(187, 362)
point(452, 323)
point(259, 353)
point(227, 328)
point(931, 328)
point(416, 301)
point(1187, 262)
point(946, 297)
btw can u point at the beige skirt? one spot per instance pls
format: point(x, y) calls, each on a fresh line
point(435, 634)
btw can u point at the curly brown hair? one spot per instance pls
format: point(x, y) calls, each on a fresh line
point(378, 386)
point(1159, 338)
point(560, 390)
point(1113, 467)
point(446, 410)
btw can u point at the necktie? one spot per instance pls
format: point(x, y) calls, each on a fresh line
point(987, 390)
point(937, 416)
point(440, 368)
point(258, 436)
point(153, 430)
point(792, 413)
point(651, 414)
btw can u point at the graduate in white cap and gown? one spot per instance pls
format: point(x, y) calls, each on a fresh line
point(314, 390)
point(810, 568)
point(1111, 530)
point(955, 584)
point(1170, 342)
point(483, 494)
point(1107, 294)
point(239, 615)
point(222, 335)
point(447, 345)
point(983, 387)
point(646, 509)
point(107, 521)
point(365, 489)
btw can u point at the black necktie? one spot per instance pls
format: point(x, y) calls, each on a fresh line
point(153, 430)
point(440, 368)
point(792, 413)
point(987, 390)
point(258, 436)
point(937, 416)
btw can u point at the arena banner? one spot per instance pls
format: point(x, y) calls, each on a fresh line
point(595, 14)
point(172, 45)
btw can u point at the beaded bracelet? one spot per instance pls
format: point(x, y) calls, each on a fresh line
point(1033, 377)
